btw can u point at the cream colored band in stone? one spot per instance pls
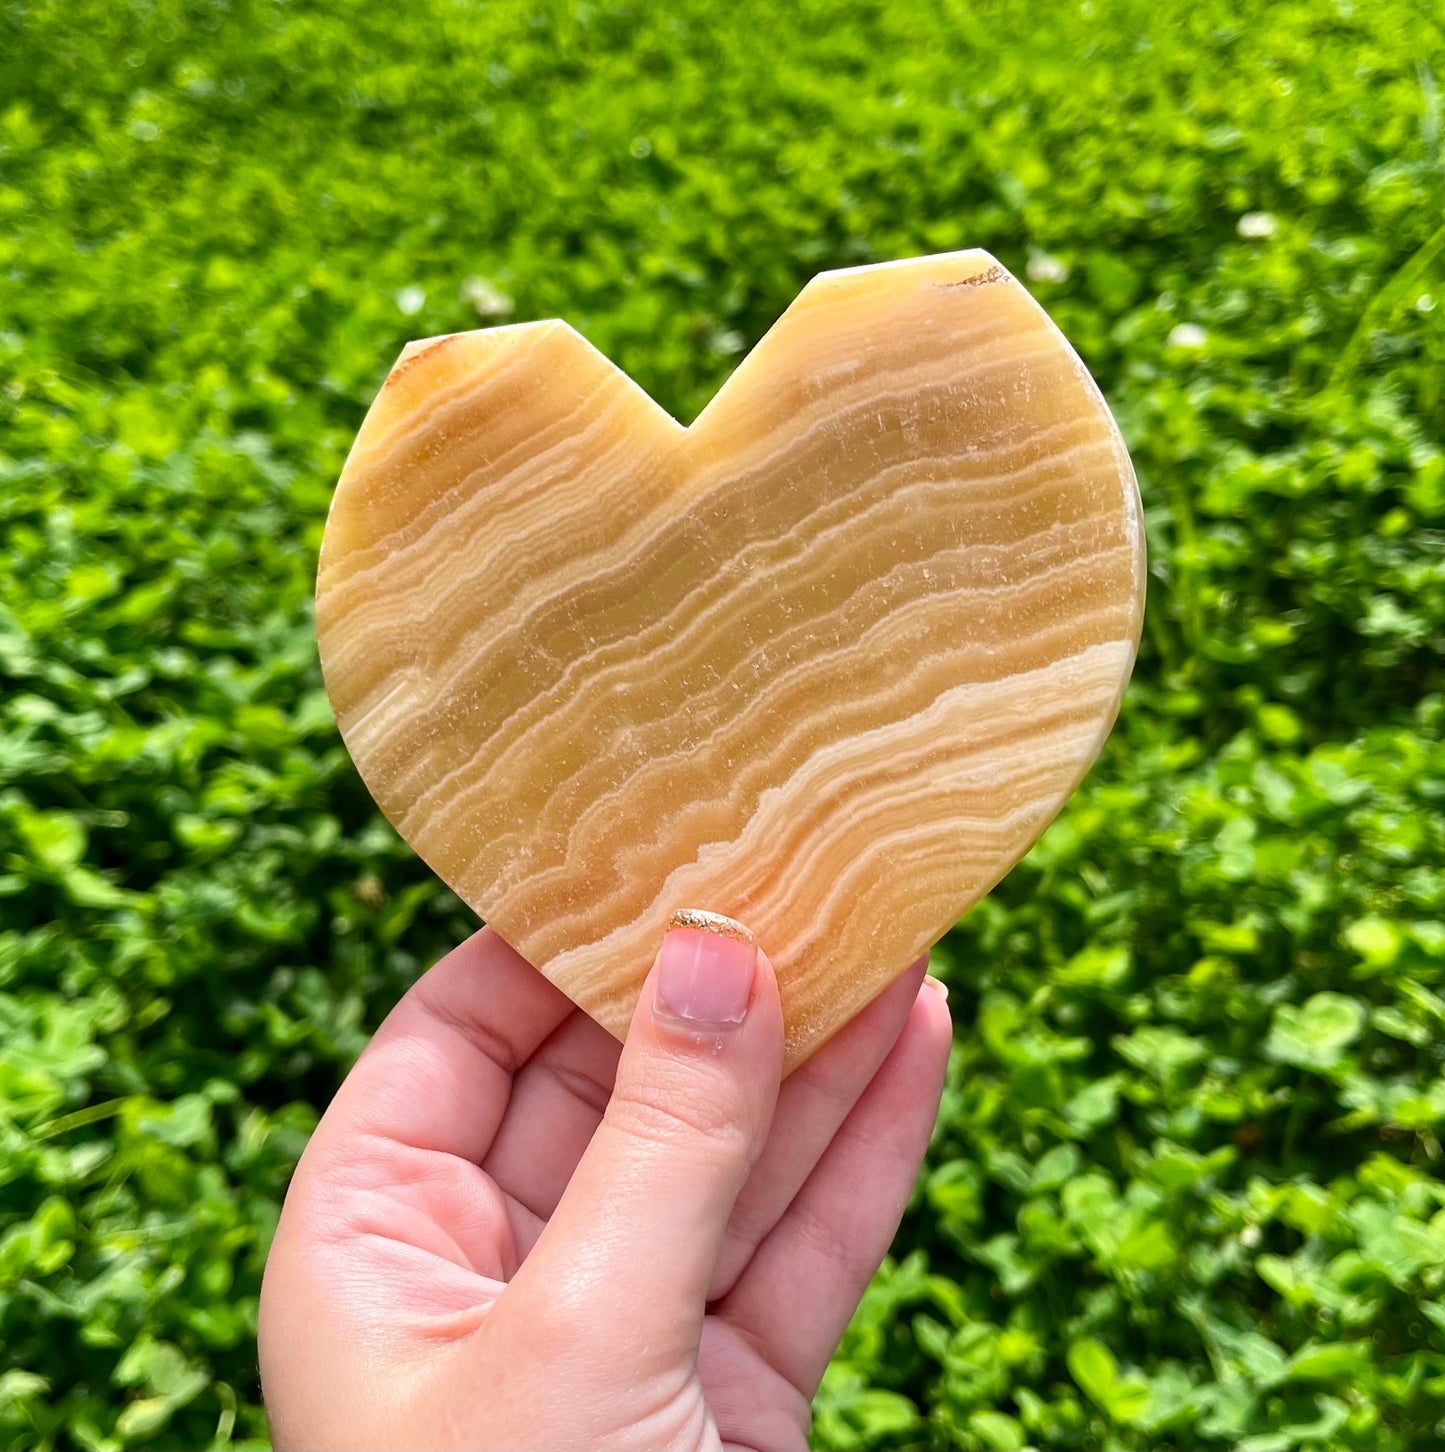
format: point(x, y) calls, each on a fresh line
point(703, 922)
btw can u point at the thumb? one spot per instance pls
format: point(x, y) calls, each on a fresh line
point(637, 1232)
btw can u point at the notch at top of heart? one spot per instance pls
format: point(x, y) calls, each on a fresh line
point(863, 291)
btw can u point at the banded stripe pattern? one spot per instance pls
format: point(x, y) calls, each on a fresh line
point(827, 661)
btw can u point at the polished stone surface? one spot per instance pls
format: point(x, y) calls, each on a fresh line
point(828, 661)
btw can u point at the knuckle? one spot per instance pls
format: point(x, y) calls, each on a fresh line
point(585, 1088)
point(822, 1236)
point(669, 1115)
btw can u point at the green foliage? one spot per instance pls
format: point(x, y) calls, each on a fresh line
point(1187, 1189)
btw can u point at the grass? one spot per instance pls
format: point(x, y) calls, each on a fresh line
point(1187, 1189)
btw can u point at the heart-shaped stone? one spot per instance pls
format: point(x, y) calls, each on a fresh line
point(828, 661)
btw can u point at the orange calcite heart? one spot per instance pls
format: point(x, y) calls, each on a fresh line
point(827, 662)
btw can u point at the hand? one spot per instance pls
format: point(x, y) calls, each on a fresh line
point(510, 1231)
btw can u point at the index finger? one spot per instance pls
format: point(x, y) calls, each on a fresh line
point(438, 1073)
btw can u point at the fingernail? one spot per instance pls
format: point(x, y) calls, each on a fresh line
point(705, 969)
point(937, 985)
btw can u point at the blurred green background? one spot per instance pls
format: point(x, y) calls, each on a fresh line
point(1188, 1188)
